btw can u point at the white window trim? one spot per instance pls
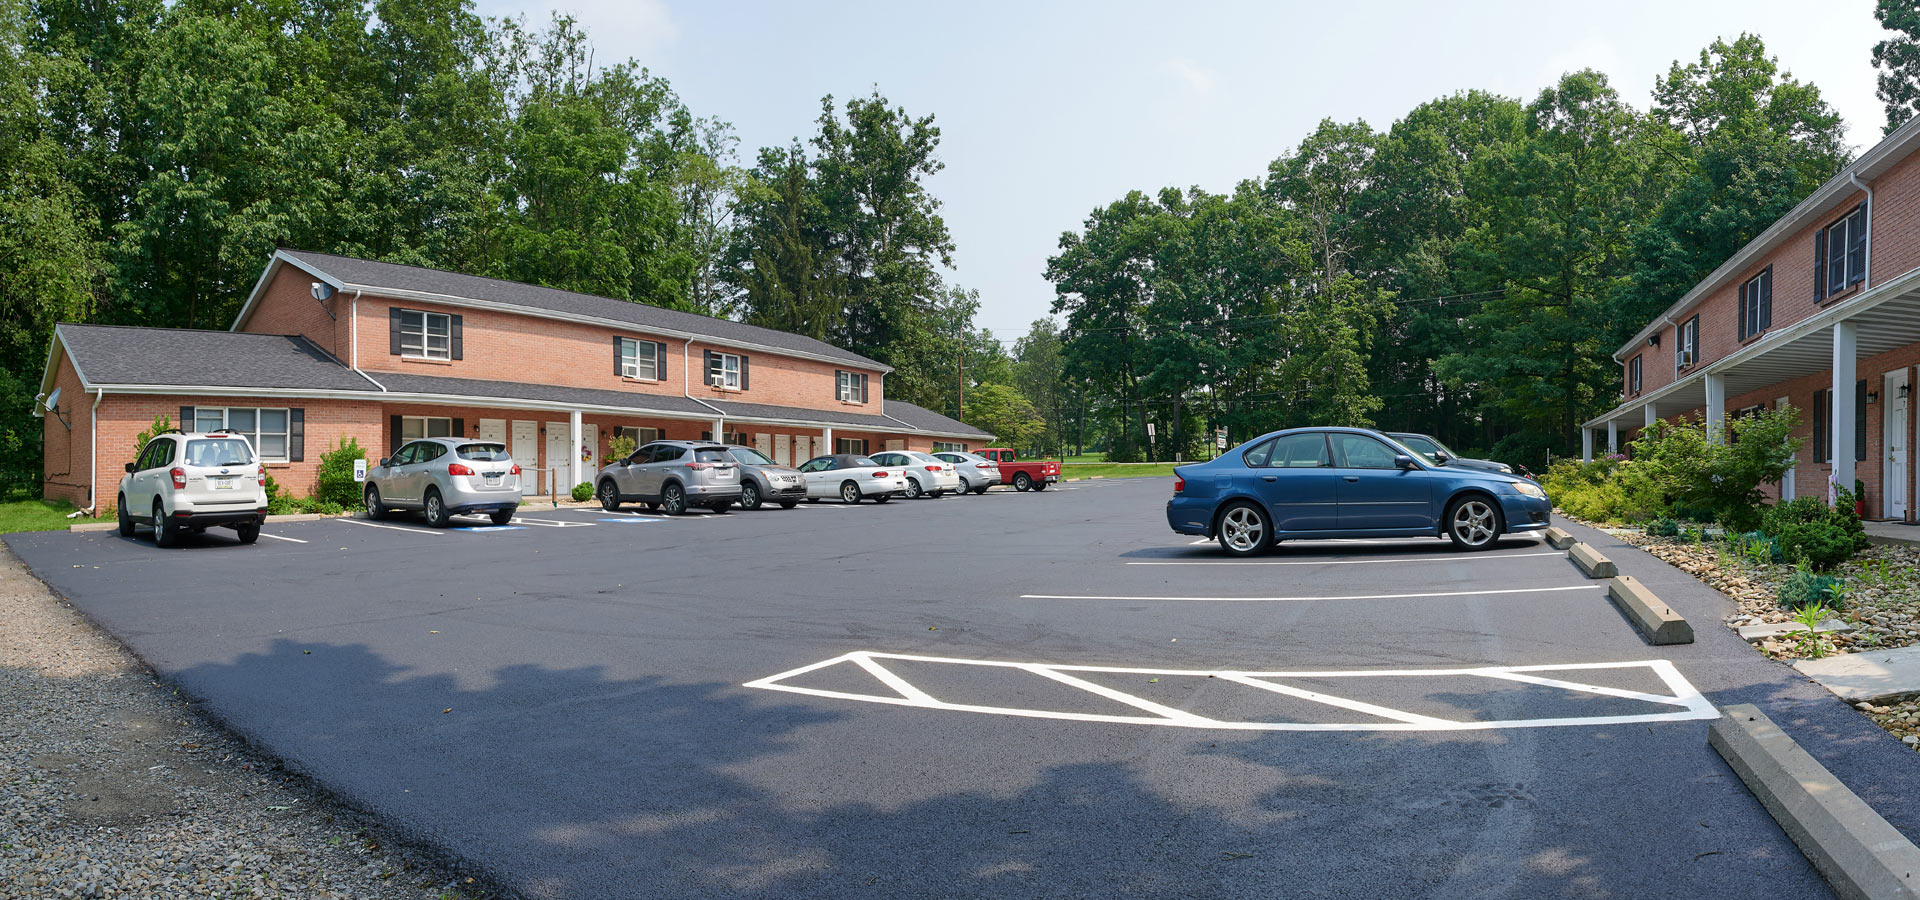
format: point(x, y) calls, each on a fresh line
point(848, 386)
point(630, 360)
point(425, 349)
point(253, 436)
point(949, 447)
point(720, 375)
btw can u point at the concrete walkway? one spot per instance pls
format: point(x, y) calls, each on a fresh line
point(1895, 533)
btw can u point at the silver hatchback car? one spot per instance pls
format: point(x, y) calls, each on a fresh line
point(764, 481)
point(671, 476)
point(446, 477)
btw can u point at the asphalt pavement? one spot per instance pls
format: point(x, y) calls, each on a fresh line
point(1040, 695)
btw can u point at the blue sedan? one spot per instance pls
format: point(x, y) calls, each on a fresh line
point(1346, 482)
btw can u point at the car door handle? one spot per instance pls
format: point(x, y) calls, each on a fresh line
point(1350, 477)
point(1269, 478)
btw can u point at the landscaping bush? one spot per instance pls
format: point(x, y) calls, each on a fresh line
point(583, 492)
point(1821, 545)
point(620, 446)
point(1605, 490)
point(1663, 527)
point(1682, 472)
point(336, 484)
point(1808, 528)
point(327, 508)
point(1804, 588)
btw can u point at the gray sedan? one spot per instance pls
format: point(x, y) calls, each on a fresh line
point(977, 473)
point(764, 481)
point(446, 477)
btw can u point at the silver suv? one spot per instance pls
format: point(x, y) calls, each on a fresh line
point(671, 476)
point(764, 481)
point(446, 477)
point(185, 482)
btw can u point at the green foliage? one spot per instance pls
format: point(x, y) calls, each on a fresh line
point(335, 484)
point(1002, 412)
point(1803, 587)
point(620, 446)
point(1898, 59)
point(1809, 642)
point(1605, 490)
point(34, 515)
point(582, 492)
point(1663, 527)
point(1821, 545)
point(1806, 528)
point(1689, 475)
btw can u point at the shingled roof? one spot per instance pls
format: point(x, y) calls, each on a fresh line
point(112, 354)
point(374, 276)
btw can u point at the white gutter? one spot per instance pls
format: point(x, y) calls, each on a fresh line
point(686, 380)
point(93, 453)
point(353, 326)
point(1866, 276)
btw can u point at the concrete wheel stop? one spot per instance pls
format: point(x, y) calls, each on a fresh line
point(1652, 617)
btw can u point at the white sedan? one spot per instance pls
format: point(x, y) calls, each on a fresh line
point(927, 475)
point(851, 477)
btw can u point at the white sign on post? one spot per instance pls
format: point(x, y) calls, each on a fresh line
point(1220, 438)
point(1149, 431)
point(359, 470)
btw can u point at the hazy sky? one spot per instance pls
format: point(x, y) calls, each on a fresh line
point(1049, 110)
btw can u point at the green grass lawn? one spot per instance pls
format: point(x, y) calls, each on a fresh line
point(1114, 470)
point(35, 515)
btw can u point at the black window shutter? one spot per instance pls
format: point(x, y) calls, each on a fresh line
point(863, 389)
point(1744, 296)
point(1820, 425)
point(186, 419)
point(618, 369)
point(297, 434)
point(660, 360)
point(1766, 299)
point(1859, 423)
point(743, 373)
point(455, 330)
point(393, 330)
point(459, 427)
point(711, 378)
point(1820, 265)
point(393, 445)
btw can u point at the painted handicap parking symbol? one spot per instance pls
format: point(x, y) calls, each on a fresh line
point(1461, 699)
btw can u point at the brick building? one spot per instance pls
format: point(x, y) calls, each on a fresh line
point(1821, 311)
point(330, 347)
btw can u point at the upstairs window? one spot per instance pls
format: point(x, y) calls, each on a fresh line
point(1633, 377)
point(425, 335)
point(1840, 254)
point(1756, 304)
point(1688, 351)
point(726, 370)
point(640, 360)
point(850, 387)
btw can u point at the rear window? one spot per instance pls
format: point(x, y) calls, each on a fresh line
point(483, 452)
point(862, 462)
point(713, 455)
point(218, 452)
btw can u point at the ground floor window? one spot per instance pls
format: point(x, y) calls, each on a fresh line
point(738, 438)
point(265, 429)
point(949, 447)
point(641, 436)
point(856, 446)
point(413, 428)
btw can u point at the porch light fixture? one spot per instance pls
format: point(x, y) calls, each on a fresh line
point(1653, 341)
point(1905, 391)
point(1873, 397)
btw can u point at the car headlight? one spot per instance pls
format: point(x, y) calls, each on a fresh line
point(1530, 489)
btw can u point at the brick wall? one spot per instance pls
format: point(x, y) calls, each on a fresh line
point(64, 451)
point(288, 307)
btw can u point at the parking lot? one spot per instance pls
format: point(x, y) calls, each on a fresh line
point(1011, 695)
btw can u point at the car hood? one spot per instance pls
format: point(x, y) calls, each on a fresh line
point(772, 470)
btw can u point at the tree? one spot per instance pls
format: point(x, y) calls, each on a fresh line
point(1898, 59)
point(1000, 411)
point(1040, 375)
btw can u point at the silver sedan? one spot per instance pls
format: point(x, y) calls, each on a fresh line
point(446, 477)
point(851, 477)
point(977, 473)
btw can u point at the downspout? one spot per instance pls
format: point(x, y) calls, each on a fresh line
point(93, 454)
point(353, 342)
point(1866, 276)
point(686, 382)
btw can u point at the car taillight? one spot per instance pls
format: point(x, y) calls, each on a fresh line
point(933, 468)
point(260, 475)
point(179, 476)
point(983, 465)
point(1179, 484)
point(458, 469)
point(699, 465)
point(515, 470)
point(879, 474)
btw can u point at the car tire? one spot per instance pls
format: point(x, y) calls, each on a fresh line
point(721, 508)
point(673, 500)
point(248, 533)
point(503, 516)
point(1244, 530)
point(789, 504)
point(165, 533)
point(1473, 522)
point(126, 521)
point(376, 510)
point(609, 494)
point(1021, 482)
point(966, 487)
point(1039, 484)
point(749, 496)
point(849, 492)
point(936, 494)
point(981, 489)
point(913, 489)
point(436, 509)
point(883, 498)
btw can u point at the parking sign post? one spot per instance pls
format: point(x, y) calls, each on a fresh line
point(360, 470)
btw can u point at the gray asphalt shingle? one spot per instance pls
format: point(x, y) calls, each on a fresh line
point(111, 354)
point(409, 383)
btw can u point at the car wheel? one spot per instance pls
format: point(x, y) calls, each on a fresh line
point(249, 533)
point(165, 533)
point(126, 521)
point(849, 492)
point(609, 496)
point(673, 500)
point(437, 515)
point(936, 494)
point(503, 516)
point(789, 504)
point(1473, 523)
point(1021, 482)
point(1244, 530)
point(883, 498)
point(913, 489)
point(981, 489)
point(966, 487)
point(749, 496)
point(376, 510)
point(1039, 484)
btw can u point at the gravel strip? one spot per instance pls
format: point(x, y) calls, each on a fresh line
point(111, 785)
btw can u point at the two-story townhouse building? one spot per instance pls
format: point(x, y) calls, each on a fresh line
point(332, 347)
point(1821, 311)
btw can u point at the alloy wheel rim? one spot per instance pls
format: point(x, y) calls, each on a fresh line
point(1473, 522)
point(750, 496)
point(849, 493)
point(671, 502)
point(1242, 528)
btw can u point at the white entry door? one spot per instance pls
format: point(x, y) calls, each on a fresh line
point(800, 451)
point(493, 430)
point(589, 451)
point(783, 449)
point(526, 451)
point(1786, 480)
point(1893, 475)
point(559, 447)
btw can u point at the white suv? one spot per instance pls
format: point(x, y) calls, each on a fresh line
point(185, 482)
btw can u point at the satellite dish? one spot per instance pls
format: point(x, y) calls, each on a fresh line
point(53, 399)
point(322, 290)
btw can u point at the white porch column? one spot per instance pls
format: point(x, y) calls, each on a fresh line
point(1652, 415)
point(826, 441)
point(1613, 436)
point(1586, 445)
point(1716, 406)
point(573, 462)
point(719, 431)
point(1846, 352)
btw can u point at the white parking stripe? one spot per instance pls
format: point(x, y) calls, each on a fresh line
point(1339, 562)
point(279, 538)
point(1578, 587)
point(393, 527)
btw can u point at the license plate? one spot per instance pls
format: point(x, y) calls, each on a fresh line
point(493, 479)
point(222, 484)
point(726, 474)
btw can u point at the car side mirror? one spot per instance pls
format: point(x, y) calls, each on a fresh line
point(1441, 459)
point(131, 469)
point(383, 462)
point(1403, 461)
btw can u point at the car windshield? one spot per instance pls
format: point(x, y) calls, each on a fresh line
point(483, 452)
point(749, 457)
point(712, 455)
point(218, 452)
point(1425, 447)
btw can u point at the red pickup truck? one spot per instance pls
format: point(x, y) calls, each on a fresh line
point(1023, 475)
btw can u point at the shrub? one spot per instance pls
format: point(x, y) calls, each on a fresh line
point(1826, 535)
point(1719, 480)
point(1663, 527)
point(1804, 588)
point(619, 446)
point(1604, 490)
point(1821, 545)
point(336, 484)
point(327, 508)
point(583, 491)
